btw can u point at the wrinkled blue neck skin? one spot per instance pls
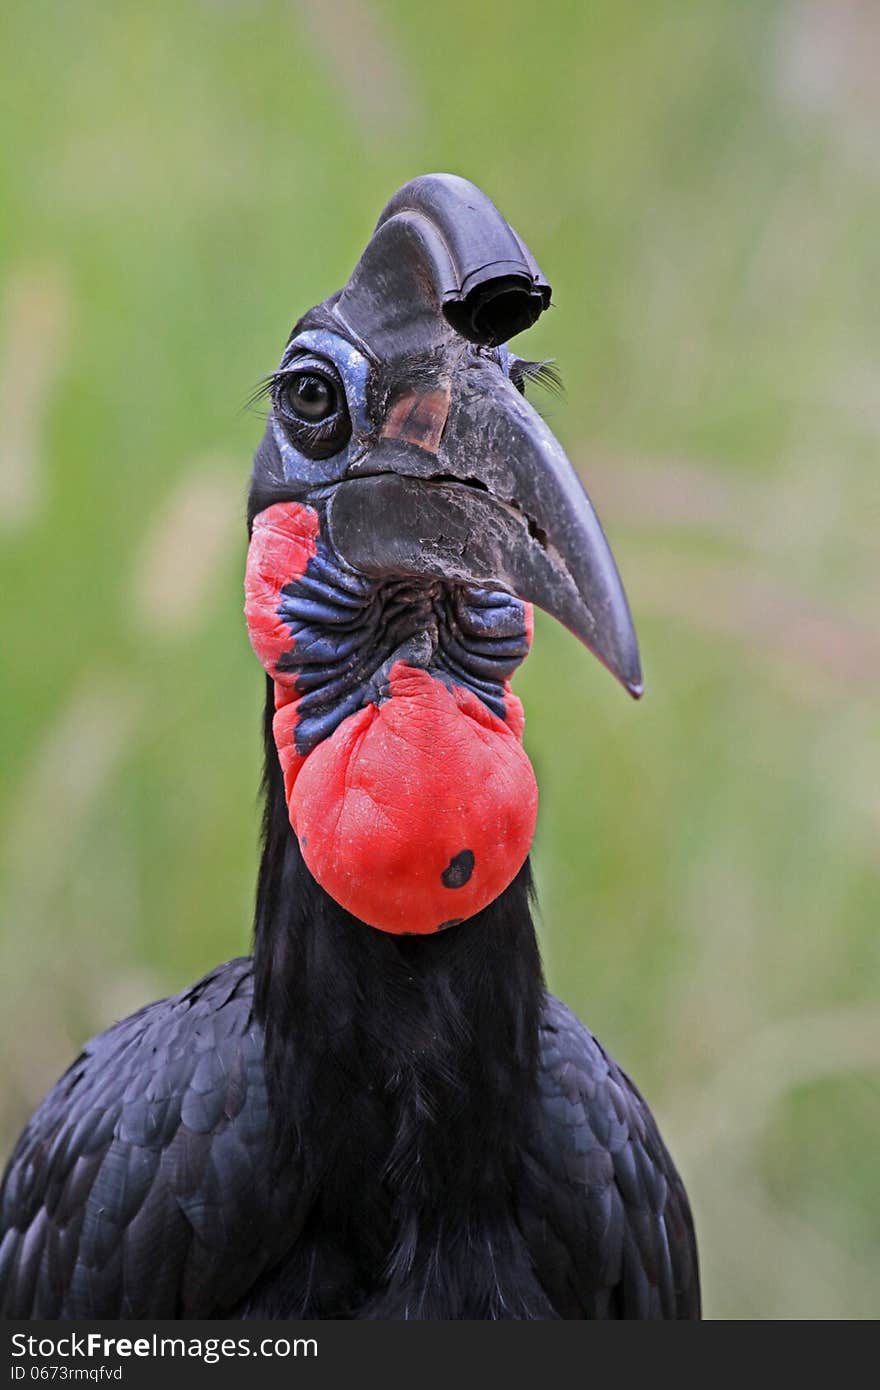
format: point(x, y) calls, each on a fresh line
point(348, 630)
point(354, 369)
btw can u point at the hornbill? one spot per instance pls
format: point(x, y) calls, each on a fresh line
point(382, 1113)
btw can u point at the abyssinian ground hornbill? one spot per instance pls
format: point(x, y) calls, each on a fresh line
point(382, 1114)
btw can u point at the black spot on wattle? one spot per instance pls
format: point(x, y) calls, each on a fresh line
point(459, 869)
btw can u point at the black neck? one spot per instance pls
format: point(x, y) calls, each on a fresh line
point(420, 1051)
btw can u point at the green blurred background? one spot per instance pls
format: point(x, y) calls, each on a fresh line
point(702, 184)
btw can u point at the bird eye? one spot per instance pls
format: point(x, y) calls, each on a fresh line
point(310, 396)
point(310, 404)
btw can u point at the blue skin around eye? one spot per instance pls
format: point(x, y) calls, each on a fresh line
point(354, 369)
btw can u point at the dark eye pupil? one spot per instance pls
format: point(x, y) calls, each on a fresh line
point(311, 397)
point(310, 407)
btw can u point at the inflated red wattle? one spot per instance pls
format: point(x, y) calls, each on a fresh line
point(413, 814)
point(417, 813)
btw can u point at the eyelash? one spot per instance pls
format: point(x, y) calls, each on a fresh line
point(545, 374)
point(261, 391)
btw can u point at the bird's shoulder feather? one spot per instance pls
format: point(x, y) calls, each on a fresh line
point(606, 1213)
point(142, 1186)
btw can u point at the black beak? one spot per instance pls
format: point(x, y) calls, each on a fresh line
point(469, 485)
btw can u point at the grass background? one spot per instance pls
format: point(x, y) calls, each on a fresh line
point(702, 185)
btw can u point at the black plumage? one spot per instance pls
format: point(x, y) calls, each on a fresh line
point(354, 1122)
point(397, 1128)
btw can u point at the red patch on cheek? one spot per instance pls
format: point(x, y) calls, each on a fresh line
point(419, 417)
point(417, 813)
point(283, 540)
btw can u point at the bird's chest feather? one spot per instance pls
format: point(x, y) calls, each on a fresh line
point(404, 1079)
point(408, 1224)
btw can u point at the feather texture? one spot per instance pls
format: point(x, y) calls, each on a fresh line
point(352, 1125)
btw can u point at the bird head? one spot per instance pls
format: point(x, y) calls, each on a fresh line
point(408, 506)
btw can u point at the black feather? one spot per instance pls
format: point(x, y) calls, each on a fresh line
point(350, 1125)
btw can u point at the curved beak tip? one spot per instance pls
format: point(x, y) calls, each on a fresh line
point(628, 675)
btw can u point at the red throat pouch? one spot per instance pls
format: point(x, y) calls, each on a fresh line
point(416, 813)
